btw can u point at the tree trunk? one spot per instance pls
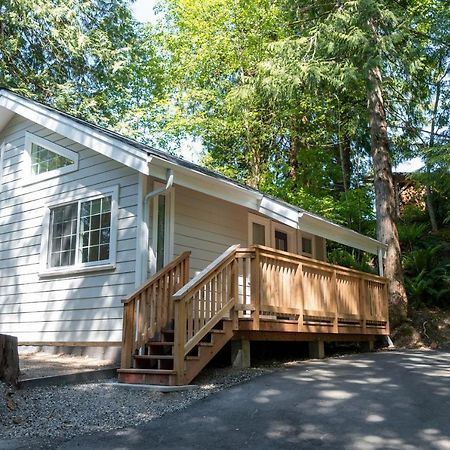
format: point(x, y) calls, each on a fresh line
point(428, 192)
point(9, 359)
point(385, 198)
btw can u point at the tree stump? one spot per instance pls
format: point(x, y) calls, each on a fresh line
point(9, 359)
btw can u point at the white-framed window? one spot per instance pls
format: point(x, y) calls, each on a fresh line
point(283, 238)
point(264, 231)
point(259, 230)
point(307, 244)
point(80, 233)
point(44, 159)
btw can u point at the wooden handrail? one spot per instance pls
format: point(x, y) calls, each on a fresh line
point(202, 276)
point(157, 276)
point(202, 303)
point(149, 308)
point(290, 257)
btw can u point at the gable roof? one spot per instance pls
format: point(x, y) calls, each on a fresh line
point(150, 161)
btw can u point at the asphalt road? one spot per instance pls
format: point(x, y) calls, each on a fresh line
point(395, 400)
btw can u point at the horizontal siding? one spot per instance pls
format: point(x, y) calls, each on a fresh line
point(77, 307)
point(206, 226)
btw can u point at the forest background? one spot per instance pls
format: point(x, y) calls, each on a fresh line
point(311, 101)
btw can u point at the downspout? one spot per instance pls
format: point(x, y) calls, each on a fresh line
point(147, 198)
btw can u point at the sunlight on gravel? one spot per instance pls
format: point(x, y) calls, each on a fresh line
point(66, 411)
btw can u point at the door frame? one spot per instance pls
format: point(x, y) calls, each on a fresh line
point(169, 227)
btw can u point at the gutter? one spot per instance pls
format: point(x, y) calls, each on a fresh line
point(146, 202)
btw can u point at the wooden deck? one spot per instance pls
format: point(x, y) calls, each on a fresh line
point(173, 327)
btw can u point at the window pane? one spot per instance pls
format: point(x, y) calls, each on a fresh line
point(44, 160)
point(259, 234)
point(307, 245)
point(281, 241)
point(63, 235)
point(104, 252)
point(95, 230)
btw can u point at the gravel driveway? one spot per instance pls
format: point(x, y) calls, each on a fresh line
point(42, 416)
point(394, 400)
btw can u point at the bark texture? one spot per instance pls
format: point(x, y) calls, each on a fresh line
point(9, 359)
point(385, 199)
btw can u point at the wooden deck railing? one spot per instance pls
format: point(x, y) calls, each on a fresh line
point(256, 284)
point(202, 303)
point(150, 308)
point(321, 297)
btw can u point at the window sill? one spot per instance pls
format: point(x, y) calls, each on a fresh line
point(75, 270)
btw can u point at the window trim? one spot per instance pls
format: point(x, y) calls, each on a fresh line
point(31, 139)
point(169, 227)
point(290, 232)
point(270, 227)
point(45, 270)
point(260, 220)
point(302, 235)
point(2, 158)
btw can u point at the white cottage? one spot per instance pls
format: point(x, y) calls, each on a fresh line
point(87, 216)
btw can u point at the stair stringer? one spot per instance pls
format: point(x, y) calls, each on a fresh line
point(206, 351)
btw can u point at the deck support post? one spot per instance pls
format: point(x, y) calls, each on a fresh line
point(316, 349)
point(367, 346)
point(240, 353)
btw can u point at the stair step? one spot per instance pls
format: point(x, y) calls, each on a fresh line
point(160, 343)
point(205, 344)
point(152, 356)
point(217, 331)
point(148, 371)
point(192, 358)
point(148, 376)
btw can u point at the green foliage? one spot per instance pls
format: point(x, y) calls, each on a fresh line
point(410, 233)
point(426, 262)
point(427, 278)
point(352, 258)
point(87, 58)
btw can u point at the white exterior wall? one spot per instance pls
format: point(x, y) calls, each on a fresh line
point(72, 308)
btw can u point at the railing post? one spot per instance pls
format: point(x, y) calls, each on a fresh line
point(362, 304)
point(255, 288)
point(234, 292)
point(386, 306)
point(185, 271)
point(179, 339)
point(334, 299)
point(128, 332)
point(299, 295)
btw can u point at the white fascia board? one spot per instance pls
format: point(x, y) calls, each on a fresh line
point(206, 184)
point(83, 134)
point(225, 190)
point(5, 117)
point(277, 211)
point(337, 233)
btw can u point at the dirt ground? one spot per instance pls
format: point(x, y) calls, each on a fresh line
point(429, 328)
point(40, 364)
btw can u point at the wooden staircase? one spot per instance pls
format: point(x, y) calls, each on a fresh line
point(156, 365)
point(172, 327)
